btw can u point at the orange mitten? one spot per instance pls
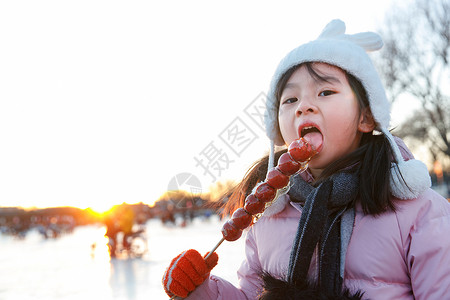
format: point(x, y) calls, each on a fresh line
point(187, 271)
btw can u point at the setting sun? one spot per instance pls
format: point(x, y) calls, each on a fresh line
point(100, 208)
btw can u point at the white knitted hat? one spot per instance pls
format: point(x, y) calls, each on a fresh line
point(348, 52)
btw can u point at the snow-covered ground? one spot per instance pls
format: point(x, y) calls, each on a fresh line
point(71, 268)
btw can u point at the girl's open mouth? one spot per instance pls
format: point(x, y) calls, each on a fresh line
point(312, 135)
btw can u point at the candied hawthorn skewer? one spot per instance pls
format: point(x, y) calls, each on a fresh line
point(294, 160)
point(289, 163)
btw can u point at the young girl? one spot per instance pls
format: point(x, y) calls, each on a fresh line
point(362, 221)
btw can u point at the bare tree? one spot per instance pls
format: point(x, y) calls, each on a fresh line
point(415, 61)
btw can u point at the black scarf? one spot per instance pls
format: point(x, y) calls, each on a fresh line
point(319, 227)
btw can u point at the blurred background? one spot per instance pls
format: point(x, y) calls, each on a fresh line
point(123, 125)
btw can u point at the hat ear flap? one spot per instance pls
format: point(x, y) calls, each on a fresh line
point(409, 179)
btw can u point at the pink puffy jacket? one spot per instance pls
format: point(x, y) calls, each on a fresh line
point(397, 255)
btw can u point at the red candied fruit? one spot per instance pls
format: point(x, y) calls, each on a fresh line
point(253, 205)
point(287, 165)
point(265, 193)
point(241, 219)
point(229, 232)
point(301, 150)
point(276, 179)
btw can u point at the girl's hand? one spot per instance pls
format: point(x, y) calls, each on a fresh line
point(187, 271)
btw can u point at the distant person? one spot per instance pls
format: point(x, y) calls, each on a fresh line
point(168, 215)
point(112, 229)
point(126, 221)
point(361, 222)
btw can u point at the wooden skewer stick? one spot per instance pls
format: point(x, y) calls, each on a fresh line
point(215, 248)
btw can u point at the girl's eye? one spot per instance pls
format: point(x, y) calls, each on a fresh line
point(326, 93)
point(290, 100)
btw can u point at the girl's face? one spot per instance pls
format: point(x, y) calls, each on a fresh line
point(325, 112)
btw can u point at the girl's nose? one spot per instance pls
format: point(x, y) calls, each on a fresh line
point(305, 106)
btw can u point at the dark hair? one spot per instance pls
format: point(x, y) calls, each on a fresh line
point(371, 160)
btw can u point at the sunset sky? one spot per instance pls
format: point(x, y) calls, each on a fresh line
point(104, 102)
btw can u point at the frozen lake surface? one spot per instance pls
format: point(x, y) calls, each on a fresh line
point(70, 268)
